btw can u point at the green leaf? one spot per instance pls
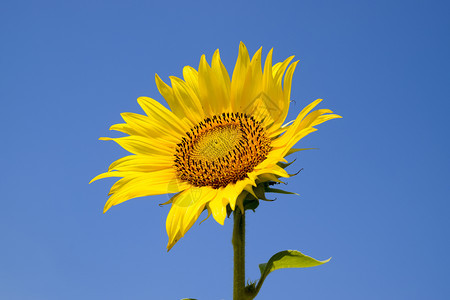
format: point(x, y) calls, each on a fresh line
point(283, 260)
point(289, 259)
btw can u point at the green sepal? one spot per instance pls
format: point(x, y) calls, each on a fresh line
point(278, 191)
point(260, 191)
point(229, 211)
point(268, 177)
point(293, 150)
point(251, 204)
point(285, 165)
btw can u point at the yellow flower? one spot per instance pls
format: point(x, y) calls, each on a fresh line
point(220, 139)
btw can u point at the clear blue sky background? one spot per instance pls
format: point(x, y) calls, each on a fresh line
point(375, 196)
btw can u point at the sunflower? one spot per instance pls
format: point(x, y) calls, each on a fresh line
point(220, 140)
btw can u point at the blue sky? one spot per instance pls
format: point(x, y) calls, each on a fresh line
point(374, 197)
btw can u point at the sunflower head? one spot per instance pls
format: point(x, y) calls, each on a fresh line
point(222, 144)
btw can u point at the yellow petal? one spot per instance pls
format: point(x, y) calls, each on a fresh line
point(212, 86)
point(186, 208)
point(161, 115)
point(239, 76)
point(142, 163)
point(219, 209)
point(190, 75)
point(137, 124)
point(294, 140)
point(288, 82)
point(181, 99)
point(325, 118)
point(166, 91)
point(240, 200)
point(114, 174)
point(195, 207)
point(279, 69)
point(223, 83)
point(187, 100)
point(267, 75)
point(125, 128)
point(310, 118)
point(146, 184)
point(141, 145)
point(285, 99)
point(295, 127)
point(231, 192)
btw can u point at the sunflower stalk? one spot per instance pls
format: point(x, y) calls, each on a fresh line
point(238, 241)
point(241, 291)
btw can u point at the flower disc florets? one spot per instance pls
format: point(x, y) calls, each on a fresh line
point(221, 150)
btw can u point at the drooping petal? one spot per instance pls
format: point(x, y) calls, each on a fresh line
point(231, 192)
point(219, 209)
point(186, 208)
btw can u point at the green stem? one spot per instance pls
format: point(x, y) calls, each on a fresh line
point(239, 255)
